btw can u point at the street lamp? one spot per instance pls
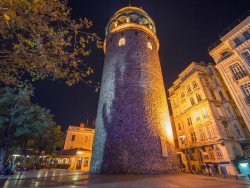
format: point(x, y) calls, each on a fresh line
point(183, 138)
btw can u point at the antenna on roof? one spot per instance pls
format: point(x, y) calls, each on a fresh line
point(129, 3)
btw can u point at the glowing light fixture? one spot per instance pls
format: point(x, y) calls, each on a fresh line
point(122, 41)
point(243, 165)
point(150, 46)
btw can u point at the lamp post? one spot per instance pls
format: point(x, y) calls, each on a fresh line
point(183, 137)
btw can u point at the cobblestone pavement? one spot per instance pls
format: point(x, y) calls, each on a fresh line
point(72, 179)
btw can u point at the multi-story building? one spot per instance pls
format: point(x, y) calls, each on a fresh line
point(77, 150)
point(231, 54)
point(209, 127)
point(79, 137)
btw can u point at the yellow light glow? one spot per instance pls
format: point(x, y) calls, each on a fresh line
point(150, 46)
point(122, 41)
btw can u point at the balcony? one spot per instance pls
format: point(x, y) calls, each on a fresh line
point(247, 99)
point(239, 75)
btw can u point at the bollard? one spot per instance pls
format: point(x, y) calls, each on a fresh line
point(236, 177)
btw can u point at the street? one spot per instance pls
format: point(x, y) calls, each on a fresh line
point(64, 178)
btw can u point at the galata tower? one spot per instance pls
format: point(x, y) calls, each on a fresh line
point(133, 130)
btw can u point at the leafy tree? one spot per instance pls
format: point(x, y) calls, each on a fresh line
point(49, 139)
point(39, 40)
point(31, 120)
point(11, 101)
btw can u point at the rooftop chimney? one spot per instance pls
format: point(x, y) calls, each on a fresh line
point(81, 125)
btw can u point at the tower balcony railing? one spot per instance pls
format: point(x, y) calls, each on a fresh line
point(247, 99)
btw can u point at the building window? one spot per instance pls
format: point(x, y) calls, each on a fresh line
point(182, 95)
point(149, 46)
point(246, 34)
point(237, 71)
point(216, 82)
point(236, 151)
point(246, 89)
point(210, 70)
point(237, 42)
point(222, 96)
point(192, 101)
point(212, 94)
point(210, 132)
point(229, 111)
point(122, 41)
point(175, 102)
point(228, 133)
point(218, 153)
point(198, 96)
point(196, 116)
point(211, 154)
point(204, 112)
point(195, 85)
point(202, 134)
point(179, 126)
point(246, 55)
point(245, 129)
point(86, 161)
point(189, 121)
point(193, 136)
point(73, 137)
point(237, 130)
point(220, 111)
point(225, 54)
point(85, 139)
point(188, 89)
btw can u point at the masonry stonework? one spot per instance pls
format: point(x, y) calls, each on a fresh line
point(133, 130)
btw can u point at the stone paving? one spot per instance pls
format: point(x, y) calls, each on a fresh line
point(74, 179)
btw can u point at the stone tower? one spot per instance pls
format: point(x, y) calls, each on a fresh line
point(133, 130)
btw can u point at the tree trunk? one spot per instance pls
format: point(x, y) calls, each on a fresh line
point(38, 155)
point(25, 152)
point(4, 145)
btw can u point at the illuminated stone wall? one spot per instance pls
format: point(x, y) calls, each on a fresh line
point(133, 123)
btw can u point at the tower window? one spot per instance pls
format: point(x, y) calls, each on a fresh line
point(150, 46)
point(122, 41)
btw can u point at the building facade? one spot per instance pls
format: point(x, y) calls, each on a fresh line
point(77, 150)
point(133, 126)
point(232, 57)
point(79, 137)
point(209, 128)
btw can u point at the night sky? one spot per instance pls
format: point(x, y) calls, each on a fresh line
point(185, 29)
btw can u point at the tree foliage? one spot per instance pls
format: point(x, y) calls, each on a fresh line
point(23, 121)
point(49, 139)
point(39, 40)
point(11, 104)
